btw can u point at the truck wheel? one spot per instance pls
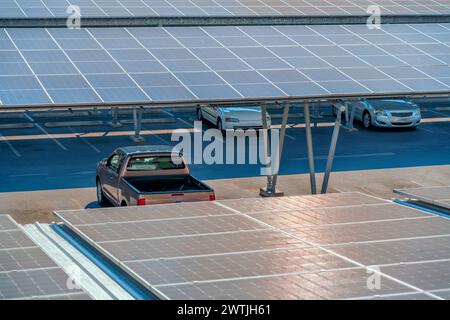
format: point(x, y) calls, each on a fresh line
point(100, 196)
point(123, 204)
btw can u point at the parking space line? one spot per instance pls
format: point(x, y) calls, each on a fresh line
point(51, 137)
point(290, 137)
point(14, 150)
point(168, 113)
point(185, 122)
point(438, 113)
point(427, 130)
point(85, 141)
point(46, 133)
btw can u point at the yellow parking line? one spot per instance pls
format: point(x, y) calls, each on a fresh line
point(89, 134)
point(165, 131)
point(428, 120)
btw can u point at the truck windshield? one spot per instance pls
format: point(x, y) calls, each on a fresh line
point(153, 163)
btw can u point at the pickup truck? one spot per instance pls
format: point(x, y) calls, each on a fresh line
point(147, 175)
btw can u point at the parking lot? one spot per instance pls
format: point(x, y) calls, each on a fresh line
point(61, 153)
point(50, 160)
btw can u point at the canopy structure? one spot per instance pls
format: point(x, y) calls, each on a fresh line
point(301, 247)
point(133, 8)
point(59, 66)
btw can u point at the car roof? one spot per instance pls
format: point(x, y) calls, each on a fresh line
point(130, 150)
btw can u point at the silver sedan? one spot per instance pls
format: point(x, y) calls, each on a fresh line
point(387, 113)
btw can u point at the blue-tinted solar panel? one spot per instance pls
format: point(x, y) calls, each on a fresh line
point(26, 272)
point(88, 64)
point(310, 247)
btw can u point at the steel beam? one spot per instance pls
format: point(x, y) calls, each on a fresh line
point(309, 146)
point(281, 144)
point(334, 139)
point(224, 102)
point(271, 189)
point(186, 21)
point(115, 123)
point(137, 118)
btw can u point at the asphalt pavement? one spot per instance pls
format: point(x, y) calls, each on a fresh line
point(50, 155)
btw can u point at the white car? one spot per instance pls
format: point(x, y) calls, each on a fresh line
point(233, 117)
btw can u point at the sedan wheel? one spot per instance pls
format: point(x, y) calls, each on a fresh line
point(367, 120)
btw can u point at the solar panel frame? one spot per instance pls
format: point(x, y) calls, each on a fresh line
point(7, 223)
point(324, 69)
point(437, 196)
point(174, 269)
point(127, 8)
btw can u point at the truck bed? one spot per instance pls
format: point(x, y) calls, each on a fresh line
point(169, 184)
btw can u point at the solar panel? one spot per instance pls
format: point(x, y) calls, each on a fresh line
point(26, 272)
point(316, 247)
point(437, 196)
point(132, 8)
point(6, 223)
point(105, 65)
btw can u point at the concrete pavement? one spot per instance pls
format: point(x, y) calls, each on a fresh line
point(31, 206)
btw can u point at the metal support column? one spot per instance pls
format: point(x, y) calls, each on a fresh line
point(271, 189)
point(137, 117)
point(115, 123)
point(316, 111)
point(334, 139)
point(309, 146)
point(349, 118)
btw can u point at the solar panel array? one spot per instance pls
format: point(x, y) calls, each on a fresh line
point(26, 272)
point(437, 196)
point(310, 247)
point(139, 8)
point(45, 66)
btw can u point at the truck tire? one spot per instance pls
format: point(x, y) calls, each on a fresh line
point(100, 195)
point(123, 203)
